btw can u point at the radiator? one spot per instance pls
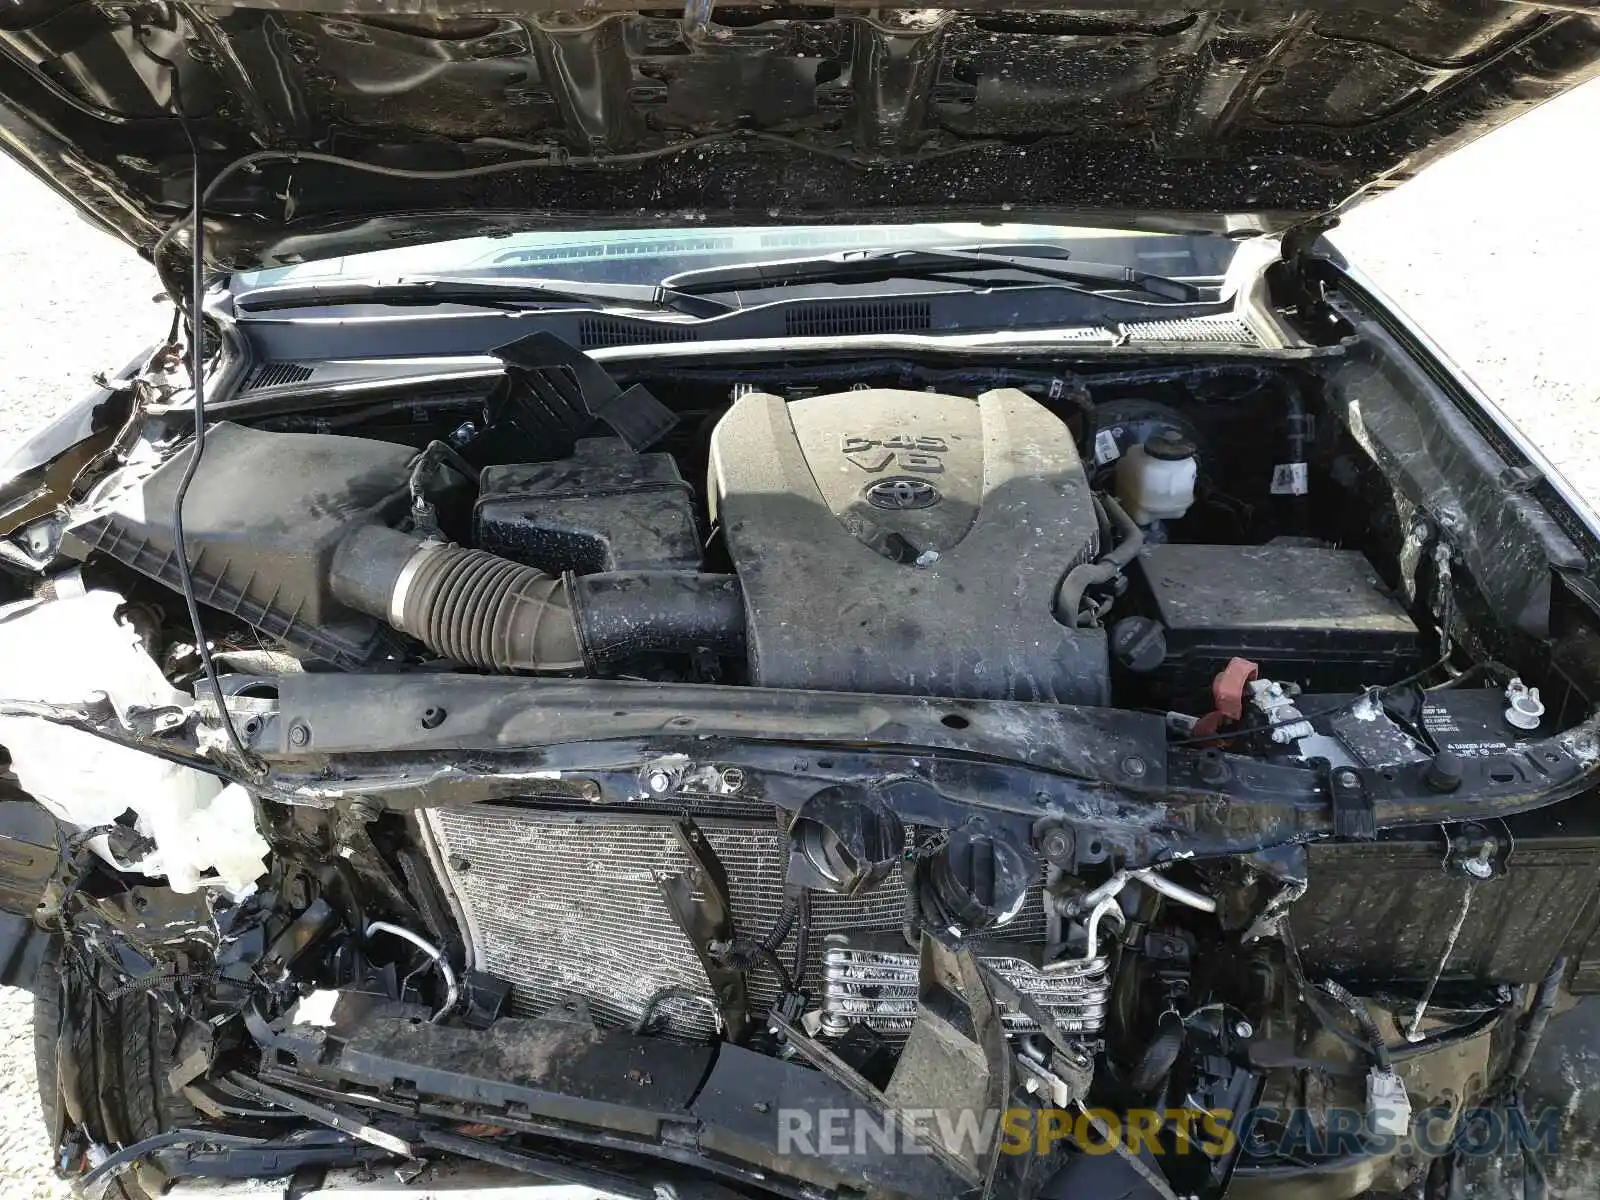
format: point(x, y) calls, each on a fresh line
point(565, 905)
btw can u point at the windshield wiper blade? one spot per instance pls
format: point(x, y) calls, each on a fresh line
point(860, 266)
point(483, 291)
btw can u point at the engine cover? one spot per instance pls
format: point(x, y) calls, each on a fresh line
point(909, 543)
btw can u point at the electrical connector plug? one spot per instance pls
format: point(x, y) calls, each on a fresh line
point(1388, 1106)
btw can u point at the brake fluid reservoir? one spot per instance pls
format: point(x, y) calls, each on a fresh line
point(1155, 481)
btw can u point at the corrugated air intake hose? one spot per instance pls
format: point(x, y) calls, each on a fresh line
point(486, 611)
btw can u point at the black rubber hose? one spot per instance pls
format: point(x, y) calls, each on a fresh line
point(1532, 1030)
point(1369, 1027)
point(781, 928)
point(489, 612)
point(1130, 538)
point(1159, 1056)
point(622, 613)
point(1069, 597)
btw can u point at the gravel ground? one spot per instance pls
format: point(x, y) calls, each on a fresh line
point(73, 301)
point(1470, 250)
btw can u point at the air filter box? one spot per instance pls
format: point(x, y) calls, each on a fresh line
point(604, 508)
point(1307, 614)
point(261, 520)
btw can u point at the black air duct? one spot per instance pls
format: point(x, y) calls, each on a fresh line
point(489, 612)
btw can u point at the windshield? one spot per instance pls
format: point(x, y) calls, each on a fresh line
point(645, 256)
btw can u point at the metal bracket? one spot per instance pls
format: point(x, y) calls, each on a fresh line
point(1352, 805)
point(1478, 851)
point(697, 898)
point(1039, 1080)
point(356, 846)
point(696, 21)
point(1295, 250)
point(1288, 866)
point(156, 720)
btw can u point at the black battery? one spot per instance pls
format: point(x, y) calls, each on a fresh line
point(1471, 722)
point(1309, 615)
point(1468, 722)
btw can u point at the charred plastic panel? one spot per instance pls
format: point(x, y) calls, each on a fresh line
point(262, 550)
point(604, 508)
point(648, 1095)
point(793, 114)
point(1515, 917)
point(1444, 464)
point(29, 859)
point(908, 543)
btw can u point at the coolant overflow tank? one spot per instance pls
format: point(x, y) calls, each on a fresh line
point(908, 542)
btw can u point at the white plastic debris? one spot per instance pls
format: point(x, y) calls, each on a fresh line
point(316, 1009)
point(68, 651)
point(1524, 708)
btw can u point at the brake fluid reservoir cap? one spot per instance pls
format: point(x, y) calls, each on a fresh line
point(1169, 446)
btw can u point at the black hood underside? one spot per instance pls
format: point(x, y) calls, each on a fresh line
point(481, 115)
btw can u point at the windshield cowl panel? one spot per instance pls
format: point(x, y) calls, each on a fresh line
point(647, 256)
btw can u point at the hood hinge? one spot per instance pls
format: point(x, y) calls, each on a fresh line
point(1294, 248)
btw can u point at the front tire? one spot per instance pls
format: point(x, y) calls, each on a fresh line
point(102, 1064)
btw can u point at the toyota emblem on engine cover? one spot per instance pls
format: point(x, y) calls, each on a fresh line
point(901, 493)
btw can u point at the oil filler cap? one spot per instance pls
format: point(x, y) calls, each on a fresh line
point(1138, 644)
point(979, 879)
